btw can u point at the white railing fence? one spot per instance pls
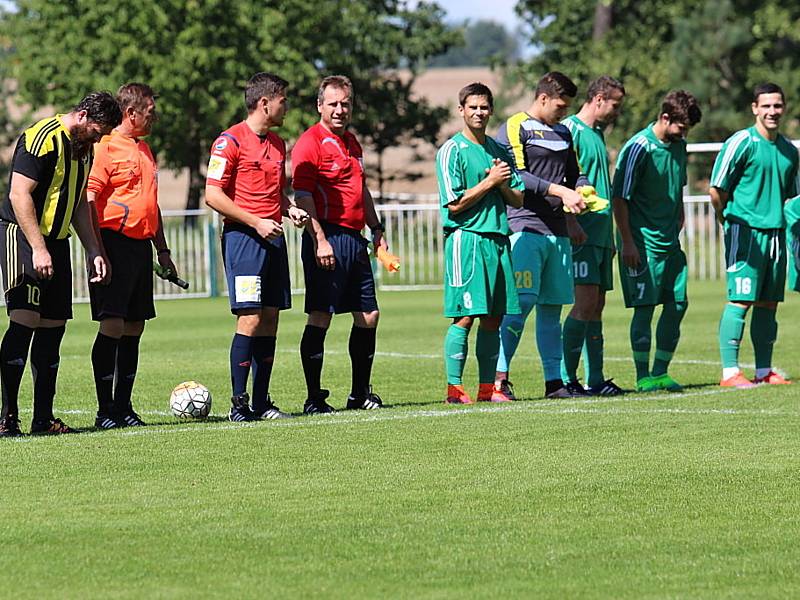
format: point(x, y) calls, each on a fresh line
point(413, 231)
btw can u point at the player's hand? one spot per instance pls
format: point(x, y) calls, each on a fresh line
point(575, 232)
point(630, 255)
point(573, 201)
point(98, 269)
point(165, 260)
point(269, 229)
point(42, 263)
point(499, 173)
point(325, 257)
point(298, 216)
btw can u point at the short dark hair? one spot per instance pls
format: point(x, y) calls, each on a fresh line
point(555, 85)
point(475, 89)
point(340, 82)
point(604, 85)
point(102, 108)
point(263, 85)
point(681, 106)
point(767, 88)
point(134, 95)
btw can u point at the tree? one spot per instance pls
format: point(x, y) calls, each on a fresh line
point(485, 43)
point(198, 54)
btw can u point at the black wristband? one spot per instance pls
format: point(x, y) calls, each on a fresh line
point(164, 251)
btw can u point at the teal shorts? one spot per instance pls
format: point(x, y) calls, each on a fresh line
point(755, 261)
point(794, 264)
point(592, 265)
point(543, 267)
point(478, 277)
point(659, 279)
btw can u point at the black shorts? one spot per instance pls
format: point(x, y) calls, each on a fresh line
point(129, 293)
point(51, 298)
point(350, 286)
point(257, 270)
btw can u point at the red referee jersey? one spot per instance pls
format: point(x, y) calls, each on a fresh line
point(249, 169)
point(331, 169)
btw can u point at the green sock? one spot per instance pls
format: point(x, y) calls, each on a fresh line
point(640, 340)
point(763, 333)
point(573, 333)
point(593, 353)
point(731, 330)
point(486, 349)
point(456, 346)
point(668, 332)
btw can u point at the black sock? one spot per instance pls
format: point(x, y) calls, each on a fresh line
point(104, 360)
point(241, 355)
point(312, 348)
point(553, 385)
point(362, 351)
point(13, 356)
point(263, 358)
point(45, 356)
point(127, 364)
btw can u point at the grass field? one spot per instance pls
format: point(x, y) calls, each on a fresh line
point(644, 496)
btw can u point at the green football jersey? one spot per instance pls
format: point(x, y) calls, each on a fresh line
point(650, 176)
point(759, 176)
point(792, 213)
point(590, 146)
point(461, 165)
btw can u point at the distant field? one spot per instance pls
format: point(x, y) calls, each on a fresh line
point(661, 495)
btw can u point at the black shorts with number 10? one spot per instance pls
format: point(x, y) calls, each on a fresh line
point(24, 290)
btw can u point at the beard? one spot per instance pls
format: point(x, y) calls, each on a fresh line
point(81, 141)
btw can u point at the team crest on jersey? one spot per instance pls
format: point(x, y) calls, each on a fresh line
point(221, 144)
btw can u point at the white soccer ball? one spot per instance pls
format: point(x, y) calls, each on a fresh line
point(190, 400)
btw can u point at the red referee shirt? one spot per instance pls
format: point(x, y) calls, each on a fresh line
point(249, 169)
point(331, 169)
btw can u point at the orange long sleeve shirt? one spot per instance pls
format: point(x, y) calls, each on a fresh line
point(124, 178)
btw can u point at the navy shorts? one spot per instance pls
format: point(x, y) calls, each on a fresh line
point(51, 298)
point(350, 286)
point(129, 293)
point(257, 270)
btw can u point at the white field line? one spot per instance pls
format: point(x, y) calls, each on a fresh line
point(549, 407)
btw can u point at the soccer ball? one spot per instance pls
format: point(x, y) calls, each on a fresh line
point(190, 400)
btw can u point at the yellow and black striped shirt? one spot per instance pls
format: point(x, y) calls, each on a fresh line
point(44, 154)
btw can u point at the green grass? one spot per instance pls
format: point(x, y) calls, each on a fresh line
point(645, 496)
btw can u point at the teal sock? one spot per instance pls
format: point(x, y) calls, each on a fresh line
point(763, 333)
point(641, 337)
point(486, 349)
point(593, 353)
point(731, 330)
point(456, 345)
point(668, 332)
point(511, 332)
point(573, 334)
point(548, 339)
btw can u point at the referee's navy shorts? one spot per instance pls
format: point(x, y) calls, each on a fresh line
point(257, 270)
point(350, 286)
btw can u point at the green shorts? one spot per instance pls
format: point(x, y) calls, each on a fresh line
point(543, 267)
point(794, 264)
point(755, 262)
point(478, 276)
point(592, 265)
point(659, 279)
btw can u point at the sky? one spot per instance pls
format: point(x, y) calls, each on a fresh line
point(501, 11)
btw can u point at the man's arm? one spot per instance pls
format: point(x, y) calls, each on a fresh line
point(219, 201)
point(163, 253)
point(22, 202)
point(719, 199)
point(629, 251)
point(511, 196)
point(323, 248)
point(373, 222)
point(85, 226)
point(498, 174)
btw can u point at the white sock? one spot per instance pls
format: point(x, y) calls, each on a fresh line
point(728, 372)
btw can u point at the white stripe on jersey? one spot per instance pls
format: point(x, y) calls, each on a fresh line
point(733, 144)
point(630, 163)
point(444, 165)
